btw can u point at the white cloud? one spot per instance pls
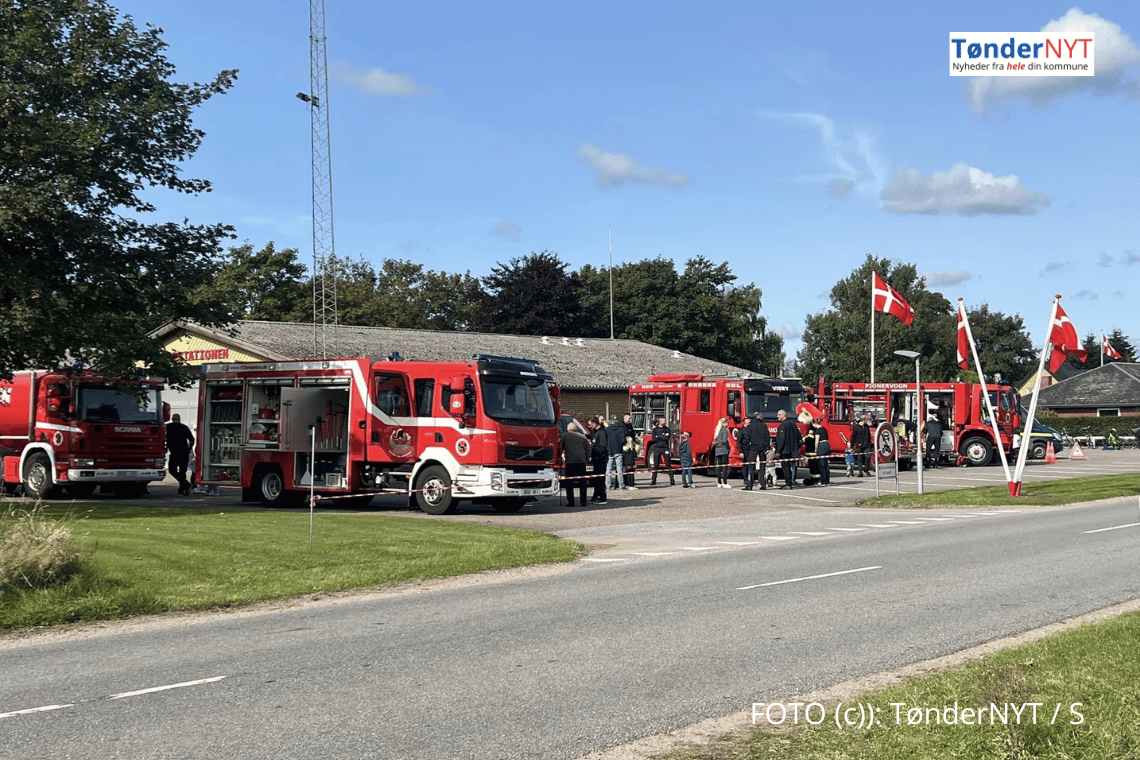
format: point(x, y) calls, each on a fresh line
point(1087, 295)
point(851, 156)
point(615, 169)
point(788, 331)
point(375, 81)
point(947, 277)
point(507, 230)
point(962, 190)
point(1115, 55)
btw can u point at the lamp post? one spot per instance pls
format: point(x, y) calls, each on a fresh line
point(920, 444)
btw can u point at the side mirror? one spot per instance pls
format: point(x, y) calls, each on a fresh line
point(458, 385)
point(456, 406)
point(166, 411)
point(555, 392)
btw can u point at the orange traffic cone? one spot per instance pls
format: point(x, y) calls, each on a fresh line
point(1050, 457)
point(1077, 452)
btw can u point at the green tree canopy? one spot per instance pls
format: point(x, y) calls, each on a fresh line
point(532, 295)
point(1003, 345)
point(837, 343)
point(88, 120)
point(1092, 344)
point(268, 284)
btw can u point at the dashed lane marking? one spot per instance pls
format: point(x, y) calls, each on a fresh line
point(811, 577)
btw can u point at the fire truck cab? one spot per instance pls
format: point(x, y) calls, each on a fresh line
point(76, 432)
point(695, 402)
point(482, 431)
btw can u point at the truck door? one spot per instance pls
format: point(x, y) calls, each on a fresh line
point(391, 424)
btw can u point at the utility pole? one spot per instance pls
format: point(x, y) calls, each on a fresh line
point(324, 248)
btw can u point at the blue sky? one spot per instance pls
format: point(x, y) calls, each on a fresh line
point(789, 140)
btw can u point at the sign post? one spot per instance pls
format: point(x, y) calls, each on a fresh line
point(886, 446)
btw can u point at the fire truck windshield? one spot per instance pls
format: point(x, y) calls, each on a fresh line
point(517, 400)
point(103, 403)
point(768, 404)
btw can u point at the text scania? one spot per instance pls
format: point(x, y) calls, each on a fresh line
point(1022, 54)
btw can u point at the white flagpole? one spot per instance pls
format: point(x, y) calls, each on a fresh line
point(1103, 340)
point(872, 327)
point(985, 390)
point(611, 234)
point(1023, 451)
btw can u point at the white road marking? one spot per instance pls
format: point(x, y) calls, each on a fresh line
point(935, 519)
point(780, 538)
point(877, 525)
point(849, 530)
point(30, 710)
point(811, 533)
point(1115, 527)
point(740, 543)
point(696, 548)
point(165, 688)
point(906, 522)
point(811, 577)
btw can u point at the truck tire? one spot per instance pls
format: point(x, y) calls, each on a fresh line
point(38, 477)
point(511, 504)
point(271, 488)
point(1037, 450)
point(433, 491)
point(977, 451)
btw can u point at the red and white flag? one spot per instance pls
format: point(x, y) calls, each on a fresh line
point(886, 299)
point(963, 338)
point(1107, 348)
point(1063, 336)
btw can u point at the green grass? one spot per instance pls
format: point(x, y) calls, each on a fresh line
point(145, 560)
point(1051, 493)
point(1095, 666)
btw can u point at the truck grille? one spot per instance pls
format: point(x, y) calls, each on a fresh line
point(124, 444)
point(520, 484)
point(528, 454)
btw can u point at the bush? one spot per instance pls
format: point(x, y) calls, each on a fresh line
point(37, 551)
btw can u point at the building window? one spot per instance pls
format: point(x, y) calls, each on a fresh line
point(1107, 412)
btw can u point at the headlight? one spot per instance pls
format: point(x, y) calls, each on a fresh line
point(160, 463)
point(82, 462)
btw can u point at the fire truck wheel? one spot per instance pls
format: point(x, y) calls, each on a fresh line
point(38, 477)
point(508, 505)
point(433, 491)
point(81, 490)
point(977, 451)
point(271, 488)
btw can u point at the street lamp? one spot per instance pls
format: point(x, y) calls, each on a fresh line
point(920, 444)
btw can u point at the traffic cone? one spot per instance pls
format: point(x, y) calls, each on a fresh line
point(1077, 452)
point(1050, 457)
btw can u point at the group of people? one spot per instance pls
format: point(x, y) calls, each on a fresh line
point(608, 447)
point(611, 449)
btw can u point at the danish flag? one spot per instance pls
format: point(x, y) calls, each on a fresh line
point(886, 299)
point(1107, 348)
point(963, 339)
point(1063, 336)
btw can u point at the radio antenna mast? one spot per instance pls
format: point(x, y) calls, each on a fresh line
point(324, 248)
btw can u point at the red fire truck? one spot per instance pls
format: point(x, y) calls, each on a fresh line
point(695, 402)
point(968, 436)
point(483, 430)
point(76, 432)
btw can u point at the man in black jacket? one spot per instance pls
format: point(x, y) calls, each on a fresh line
point(179, 439)
point(759, 443)
point(660, 458)
point(788, 442)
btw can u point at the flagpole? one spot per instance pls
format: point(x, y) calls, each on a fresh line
point(1023, 451)
point(872, 327)
point(1103, 340)
point(985, 391)
point(610, 230)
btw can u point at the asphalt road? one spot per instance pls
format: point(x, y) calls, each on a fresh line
point(634, 642)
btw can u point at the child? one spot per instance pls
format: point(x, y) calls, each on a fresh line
point(850, 459)
point(685, 453)
point(629, 462)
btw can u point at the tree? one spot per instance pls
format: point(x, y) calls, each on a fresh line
point(1003, 344)
point(532, 295)
point(1092, 344)
point(837, 343)
point(88, 119)
point(268, 284)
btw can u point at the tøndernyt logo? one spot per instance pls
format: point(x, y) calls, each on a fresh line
point(1022, 54)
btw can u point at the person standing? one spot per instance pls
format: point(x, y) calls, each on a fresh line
point(577, 448)
point(822, 452)
point(861, 443)
point(720, 452)
point(761, 442)
point(744, 443)
point(933, 440)
point(788, 447)
point(599, 457)
point(629, 462)
point(685, 453)
point(659, 452)
point(615, 462)
point(179, 440)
